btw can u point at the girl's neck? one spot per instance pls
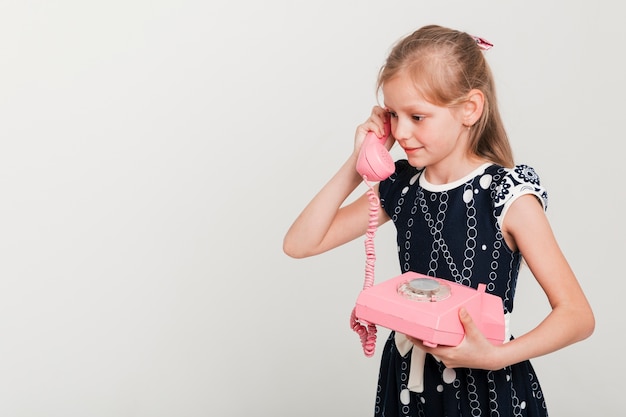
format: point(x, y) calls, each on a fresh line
point(446, 173)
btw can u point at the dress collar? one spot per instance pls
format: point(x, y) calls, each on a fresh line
point(451, 185)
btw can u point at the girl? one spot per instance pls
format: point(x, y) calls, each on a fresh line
point(464, 212)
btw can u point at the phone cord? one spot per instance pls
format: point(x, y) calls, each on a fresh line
point(366, 330)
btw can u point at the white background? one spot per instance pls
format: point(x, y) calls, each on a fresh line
point(154, 153)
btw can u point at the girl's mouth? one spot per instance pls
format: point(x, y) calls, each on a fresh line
point(412, 150)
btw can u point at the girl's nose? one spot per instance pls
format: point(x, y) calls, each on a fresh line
point(401, 129)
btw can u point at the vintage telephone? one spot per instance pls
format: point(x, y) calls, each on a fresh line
point(414, 304)
point(374, 162)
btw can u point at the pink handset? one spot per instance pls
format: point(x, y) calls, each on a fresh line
point(374, 164)
point(374, 161)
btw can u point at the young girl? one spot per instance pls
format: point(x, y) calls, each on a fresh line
point(464, 212)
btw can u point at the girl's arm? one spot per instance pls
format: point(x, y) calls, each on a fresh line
point(324, 224)
point(571, 318)
point(527, 229)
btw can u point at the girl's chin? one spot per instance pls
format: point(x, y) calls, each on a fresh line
point(416, 162)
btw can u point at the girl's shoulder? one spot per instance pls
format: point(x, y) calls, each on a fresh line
point(511, 183)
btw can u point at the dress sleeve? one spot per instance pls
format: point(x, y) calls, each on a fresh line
point(516, 182)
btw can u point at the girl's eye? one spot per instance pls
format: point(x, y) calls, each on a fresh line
point(392, 114)
point(417, 117)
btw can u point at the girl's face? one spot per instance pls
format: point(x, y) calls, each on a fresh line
point(429, 134)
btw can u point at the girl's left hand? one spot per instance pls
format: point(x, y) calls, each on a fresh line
point(474, 351)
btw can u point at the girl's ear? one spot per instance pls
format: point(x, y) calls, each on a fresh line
point(473, 107)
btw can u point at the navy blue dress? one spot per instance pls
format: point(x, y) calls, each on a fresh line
point(453, 231)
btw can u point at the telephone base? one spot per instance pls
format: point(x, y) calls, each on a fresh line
point(428, 309)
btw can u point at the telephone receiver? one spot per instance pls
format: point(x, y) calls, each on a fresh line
point(374, 161)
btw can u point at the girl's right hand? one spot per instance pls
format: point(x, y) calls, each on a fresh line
point(375, 123)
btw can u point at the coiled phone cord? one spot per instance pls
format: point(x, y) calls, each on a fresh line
point(366, 330)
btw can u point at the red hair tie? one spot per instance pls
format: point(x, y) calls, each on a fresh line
point(483, 44)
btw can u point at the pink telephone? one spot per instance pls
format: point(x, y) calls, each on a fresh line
point(427, 308)
point(374, 162)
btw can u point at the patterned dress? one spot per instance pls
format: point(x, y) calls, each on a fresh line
point(453, 231)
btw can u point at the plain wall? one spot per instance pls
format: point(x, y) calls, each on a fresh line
point(154, 153)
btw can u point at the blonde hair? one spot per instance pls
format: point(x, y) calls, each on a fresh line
point(445, 65)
